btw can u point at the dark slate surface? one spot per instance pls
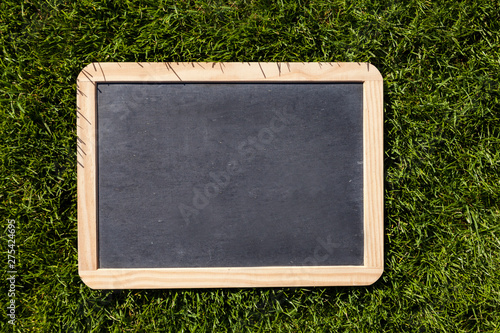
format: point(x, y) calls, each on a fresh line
point(219, 175)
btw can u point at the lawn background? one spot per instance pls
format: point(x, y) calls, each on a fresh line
point(440, 61)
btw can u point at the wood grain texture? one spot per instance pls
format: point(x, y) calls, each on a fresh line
point(86, 173)
point(238, 276)
point(373, 173)
point(230, 277)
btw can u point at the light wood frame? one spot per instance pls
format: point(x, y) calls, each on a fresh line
point(223, 277)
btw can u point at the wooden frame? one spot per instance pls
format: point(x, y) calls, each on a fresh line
point(96, 277)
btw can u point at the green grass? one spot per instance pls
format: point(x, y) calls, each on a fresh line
point(441, 64)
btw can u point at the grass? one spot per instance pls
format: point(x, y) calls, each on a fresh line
point(440, 61)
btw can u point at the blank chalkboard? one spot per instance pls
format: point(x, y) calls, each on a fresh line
point(226, 180)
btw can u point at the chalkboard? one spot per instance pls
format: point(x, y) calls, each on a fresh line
point(229, 175)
